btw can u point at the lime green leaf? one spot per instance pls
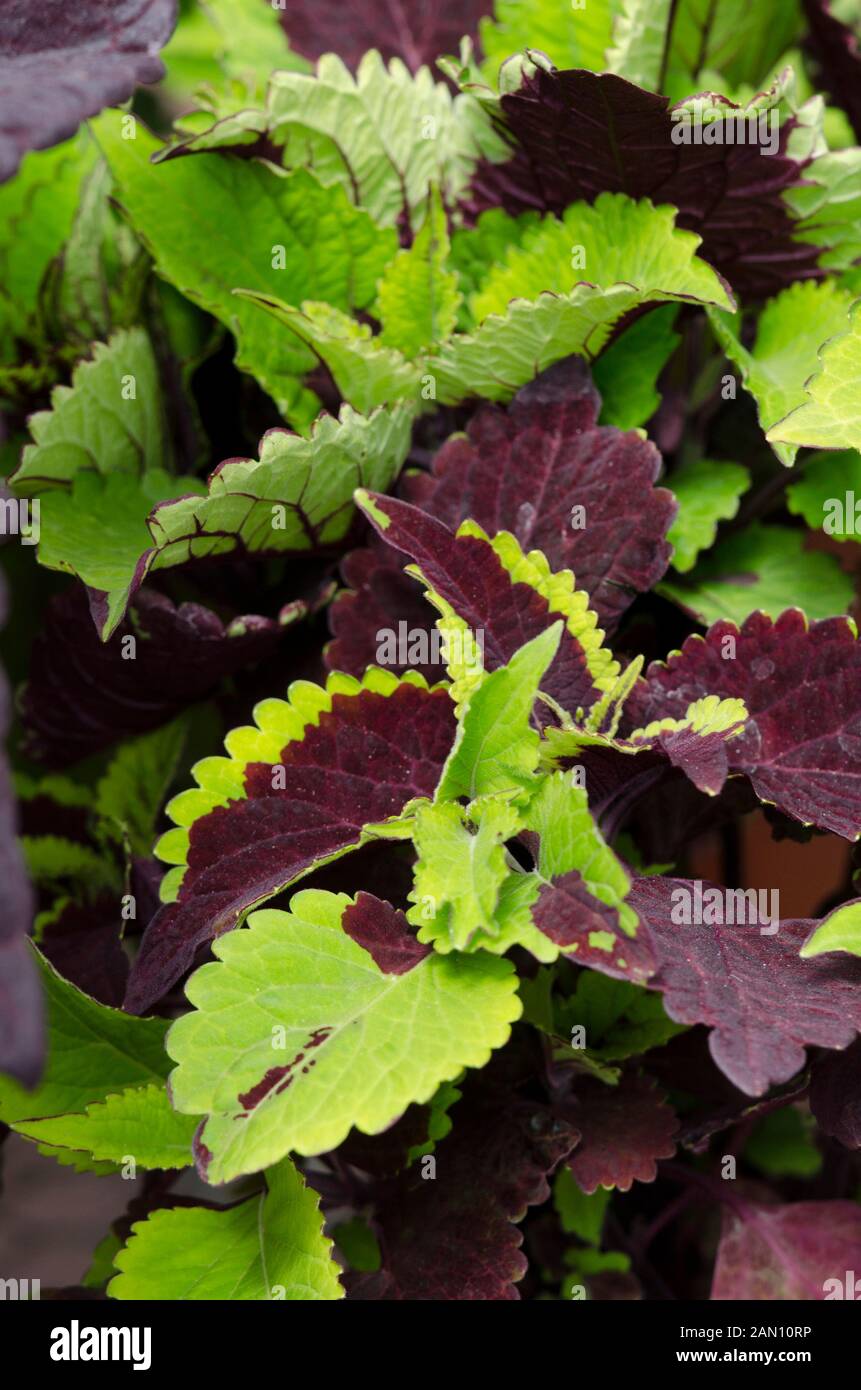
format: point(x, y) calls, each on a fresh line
point(580, 1213)
point(742, 42)
point(418, 298)
point(475, 251)
point(620, 1019)
point(378, 1042)
point(572, 36)
point(268, 1247)
point(98, 532)
point(783, 1145)
point(707, 493)
point(131, 793)
point(825, 494)
point(217, 223)
point(111, 419)
point(495, 747)
point(827, 203)
point(790, 332)
point(460, 872)
point(93, 1051)
point(385, 136)
point(830, 417)
point(839, 931)
point(627, 371)
point(762, 567)
point(137, 1124)
point(53, 861)
point(639, 41)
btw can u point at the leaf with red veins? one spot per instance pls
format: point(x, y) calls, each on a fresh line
point(803, 1251)
point(418, 31)
point(835, 1095)
point(576, 134)
point(62, 63)
point(624, 1130)
point(801, 745)
point(359, 765)
point(747, 982)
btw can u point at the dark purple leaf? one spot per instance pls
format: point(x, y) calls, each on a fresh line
point(60, 63)
point(84, 694)
point(835, 46)
point(801, 684)
point(576, 134)
point(761, 1000)
point(808, 1250)
point(384, 933)
point(569, 914)
point(466, 572)
point(83, 944)
point(623, 1131)
point(835, 1095)
point(359, 765)
point(418, 31)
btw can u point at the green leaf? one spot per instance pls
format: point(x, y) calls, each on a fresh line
point(460, 871)
point(839, 931)
point(783, 1145)
point(495, 747)
point(639, 35)
point(626, 373)
point(827, 204)
point(762, 567)
point(791, 330)
point(215, 223)
point(572, 36)
point(385, 136)
point(830, 417)
point(620, 1019)
point(132, 791)
point(53, 861)
point(98, 531)
point(580, 1213)
point(93, 1051)
point(825, 494)
point(268, 1247)
point(378, 1042)
point(137, 1123)
point(707, 493)
point(97, 423)
point(418, 297)
point(742, 42)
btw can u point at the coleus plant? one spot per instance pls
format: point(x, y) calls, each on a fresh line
point(458, 420)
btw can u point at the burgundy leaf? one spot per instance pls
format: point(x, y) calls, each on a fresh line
point(359, 765)
point(384, 933)
point(801, 747)
point(383, 1155)
point(576, 134)
point(63, 62)
point(83, 944)
point(836, 48)
point(807, 1250)
point(451, 1237)
point(623, 1130)
point(569, 914)
point(762, 1001)
point(522, 468)
point(466, 572)
point(835, 1095)
point(418, 31)
point(84, 694)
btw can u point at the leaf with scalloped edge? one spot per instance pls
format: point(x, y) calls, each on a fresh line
point(707, 493)
point(801, 685)
point(825, 494)
point(316, 777)
point(418, 297)
point(351, 1044)
point(269, 1247)
point(830, 417)
point(789, 336)
point(137, 1123)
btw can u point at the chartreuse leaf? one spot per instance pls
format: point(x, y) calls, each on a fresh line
point(571, 36)
point(762, 567)
point(271, 1246)
point(93, 1051)
point(639, 41)
point(626, 373)
point(460, 871)
point(580, 1213)
point(110, 420)
point(619, 1019)
point(53, 861)
point(130, 794)
point(138, 1123)
point(828, 494)
point(261, 230)
point(296, 1034)
point(790, 333)
point(496, 748)
point(474, 251)
point(98, 531)
point(385, 136)
point(418, 297)
point(298, 495)
point(707, 493)
point(742, 42)
point(830, 417)
point(839, 931)
point(827, 203)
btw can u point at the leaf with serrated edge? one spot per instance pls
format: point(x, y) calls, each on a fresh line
point(139, 1123)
